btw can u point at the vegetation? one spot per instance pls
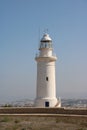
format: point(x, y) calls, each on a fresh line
point(7, 105)
point(42, 123)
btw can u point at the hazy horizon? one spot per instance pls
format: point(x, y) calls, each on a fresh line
point(22, 24)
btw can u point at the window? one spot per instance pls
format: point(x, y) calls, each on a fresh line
point(45, 45)
point(46, 78)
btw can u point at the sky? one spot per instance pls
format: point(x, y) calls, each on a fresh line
point(22, 24)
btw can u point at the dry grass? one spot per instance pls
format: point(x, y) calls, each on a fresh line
point(42, 123)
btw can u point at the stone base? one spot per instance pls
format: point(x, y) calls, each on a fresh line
point(47, 102)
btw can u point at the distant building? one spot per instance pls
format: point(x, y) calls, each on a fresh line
point(46, 83)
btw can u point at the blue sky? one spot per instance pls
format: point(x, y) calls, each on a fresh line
point(22, 23)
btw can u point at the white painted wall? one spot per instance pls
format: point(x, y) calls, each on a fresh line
point(46, 88)
point(46, 52)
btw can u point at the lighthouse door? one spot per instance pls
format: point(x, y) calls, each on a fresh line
point(46, 104)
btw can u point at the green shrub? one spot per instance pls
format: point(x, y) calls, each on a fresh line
point(23, 129)
point(16, 121)
point(5, 119)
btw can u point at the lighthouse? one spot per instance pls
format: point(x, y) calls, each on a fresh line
point(46, 80)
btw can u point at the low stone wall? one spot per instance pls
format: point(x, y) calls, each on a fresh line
point(33, 110)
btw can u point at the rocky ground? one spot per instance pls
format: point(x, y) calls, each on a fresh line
point(26, 122)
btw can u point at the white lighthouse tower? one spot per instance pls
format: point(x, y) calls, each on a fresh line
point(46, 83)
